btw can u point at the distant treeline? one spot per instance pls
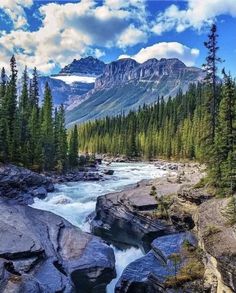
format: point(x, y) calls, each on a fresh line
point(30, 135)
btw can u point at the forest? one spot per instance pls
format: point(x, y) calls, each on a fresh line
point(198, 125)
point(31, 135)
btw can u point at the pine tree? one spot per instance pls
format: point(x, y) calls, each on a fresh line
point(34, 91)
point(60, 139)
point(226, 136)
point(3, 118)
point(211, 77)
point(11, 111)
point(73, 147)
point(24, 113)
point(48, 148)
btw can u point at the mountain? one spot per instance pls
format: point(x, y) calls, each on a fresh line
point(126, 84)
point(88, 66)
point(73, 81)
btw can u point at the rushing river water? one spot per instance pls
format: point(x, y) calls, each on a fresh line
point(74, 201)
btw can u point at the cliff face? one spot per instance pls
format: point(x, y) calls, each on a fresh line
point(218, 239)
point(128, 70)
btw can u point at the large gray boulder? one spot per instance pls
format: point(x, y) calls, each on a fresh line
point(42, 252)
point(22, 185)
point(122, 219)
point(149, 273)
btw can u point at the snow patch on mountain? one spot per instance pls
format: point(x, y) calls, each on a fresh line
point(70, 79)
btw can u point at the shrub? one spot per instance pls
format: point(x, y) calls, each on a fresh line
point(230, 211)
point(153, 191)
point(211, 230)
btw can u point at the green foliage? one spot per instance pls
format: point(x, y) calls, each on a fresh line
point(230, 211)
point(30, 136)
point(153, 191)
point(163, 205)
point(73, 147)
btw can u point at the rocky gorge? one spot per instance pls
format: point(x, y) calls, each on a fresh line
point(193, 218)
point(175, 221)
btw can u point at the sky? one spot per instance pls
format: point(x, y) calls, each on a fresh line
point(50, 34)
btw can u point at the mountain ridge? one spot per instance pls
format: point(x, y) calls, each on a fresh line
point(126, 84)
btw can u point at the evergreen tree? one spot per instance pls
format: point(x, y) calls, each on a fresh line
point(11, 111)
point(226, 136)
point(60, 139)
point(211, 77)
point(73, 147)
point(24, 112)
point(48, 148)
point(3, 118)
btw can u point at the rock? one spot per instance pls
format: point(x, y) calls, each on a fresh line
point(75, 175)
point(148, 274)
point(108, 172)
point(218, 239)
point(189, 194)
point(48, 254)
point(40, 192)
point(20, 184)
point(120, 220)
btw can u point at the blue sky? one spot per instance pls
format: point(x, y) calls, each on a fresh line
point(50, 34)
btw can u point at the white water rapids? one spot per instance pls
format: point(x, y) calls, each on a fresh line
point(74, 201)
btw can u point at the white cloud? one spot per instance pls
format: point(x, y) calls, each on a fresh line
point(15, 10)
point(132, 36)
point(166, 50)
point(73, 30)
point(198, 14)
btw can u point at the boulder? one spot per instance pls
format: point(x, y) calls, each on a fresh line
point(121, 220)
point(108, 172)
point(42, 252)
point(21, 185)
point(149, 273)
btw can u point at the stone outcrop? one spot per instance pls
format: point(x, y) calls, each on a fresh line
point(129, 217)
point(125, 218)
point(149, 273)
point(22, 185)
point(42, 252)
point(218, 239)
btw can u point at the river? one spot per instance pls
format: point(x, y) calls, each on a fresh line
point(74, 201)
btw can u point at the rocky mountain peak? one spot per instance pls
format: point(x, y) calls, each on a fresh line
point(126, 70)
point(84, 66)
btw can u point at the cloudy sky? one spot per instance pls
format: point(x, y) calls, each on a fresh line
point(50, 34)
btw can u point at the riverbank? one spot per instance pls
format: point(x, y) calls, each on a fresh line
point(128, 217)
point(152, 214)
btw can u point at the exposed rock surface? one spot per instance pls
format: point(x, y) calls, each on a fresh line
point(84, 66)
point(42, 252)
point(148, 274)
point(218, 239)
point(127, 217)
point(118, 220)
point(22, 185)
